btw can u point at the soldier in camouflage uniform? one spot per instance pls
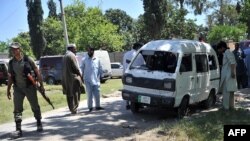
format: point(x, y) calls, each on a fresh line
point(19, 65)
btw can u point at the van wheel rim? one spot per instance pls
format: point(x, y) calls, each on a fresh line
point(50, 81)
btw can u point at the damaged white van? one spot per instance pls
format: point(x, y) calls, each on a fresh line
point(175, 74)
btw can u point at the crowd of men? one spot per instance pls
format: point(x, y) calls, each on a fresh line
point(233, 76)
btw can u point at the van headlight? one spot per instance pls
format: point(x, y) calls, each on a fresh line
point(169, 84)
point(128, 79)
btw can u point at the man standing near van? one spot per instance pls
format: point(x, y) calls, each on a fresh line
point(92, 72)
point(241, 70)
point(228, 83)
point(20, 67)
point(71, 78)
point(127, 58)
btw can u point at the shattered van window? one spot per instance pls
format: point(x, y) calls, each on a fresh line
point(155, 61)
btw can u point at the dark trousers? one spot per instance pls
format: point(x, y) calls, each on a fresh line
point(74, 98)
point(242, 81)
point(19, 95)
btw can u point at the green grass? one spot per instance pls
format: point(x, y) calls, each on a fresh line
point(54, 92)
point(205, 128)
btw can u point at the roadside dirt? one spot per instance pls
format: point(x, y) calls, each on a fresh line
point(242, 100)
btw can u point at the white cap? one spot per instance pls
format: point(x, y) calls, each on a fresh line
point(71, 45)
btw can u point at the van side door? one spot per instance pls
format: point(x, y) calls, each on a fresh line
point(185, 81)
point(202, 79)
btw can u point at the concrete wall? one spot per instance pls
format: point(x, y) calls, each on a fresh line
point(116, 56)
point(4, 55)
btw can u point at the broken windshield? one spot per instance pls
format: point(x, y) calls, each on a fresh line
point(155, 61)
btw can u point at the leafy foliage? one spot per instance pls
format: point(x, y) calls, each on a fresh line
point(224, 14)
point(155, 17)
point(52, 9)
point(35, 19)
point(24, 39)
point(244, 15)
point(120, 18)
point(89, 27)
point(174, 24)
point(125, 25)
point(226, 32)
point(139, 30)
point(3, 46)
point(53, 33)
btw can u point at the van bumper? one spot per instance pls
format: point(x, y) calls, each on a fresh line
point(155, 101)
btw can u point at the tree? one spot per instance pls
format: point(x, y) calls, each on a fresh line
point(199, 6)
point(125, 24)
point(52, 9)
point(139, 31)
point(224, 13)
point(53, 33)
point(35, 19)
point(90, 27)
point(244, 15)
point(24, 39)
point(226, 32)
point(3, 46)
point(120, 18)
point(155, 17)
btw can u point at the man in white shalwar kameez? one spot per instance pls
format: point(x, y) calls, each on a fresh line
point(228, 83)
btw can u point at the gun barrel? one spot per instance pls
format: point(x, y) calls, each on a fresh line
point(45, 97)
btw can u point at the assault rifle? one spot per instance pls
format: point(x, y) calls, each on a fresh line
point(39, 88)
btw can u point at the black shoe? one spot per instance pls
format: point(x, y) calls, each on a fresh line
point(99, 108)
point(16, 134)
point(74, 112)
point(39, 128)
point(128, 107)
point(90, 109)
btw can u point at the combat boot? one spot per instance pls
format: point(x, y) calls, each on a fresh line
point(39, 126)
point(18, 133)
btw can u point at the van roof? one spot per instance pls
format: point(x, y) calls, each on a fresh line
point(179, 46)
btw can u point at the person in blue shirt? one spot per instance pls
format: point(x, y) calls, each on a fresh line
point(92, 71)
point(241, 70)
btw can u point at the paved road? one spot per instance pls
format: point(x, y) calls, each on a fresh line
point(114, 123)
point(110, 124)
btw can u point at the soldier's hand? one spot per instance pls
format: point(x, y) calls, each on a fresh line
point(9, 95)
point(42, 88)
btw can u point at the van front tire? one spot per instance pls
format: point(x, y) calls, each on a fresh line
point(210, 101)
point(183, 108)
point(51, 81)
point(134, 107)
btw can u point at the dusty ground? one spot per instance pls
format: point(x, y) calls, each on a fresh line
point(114, 123)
